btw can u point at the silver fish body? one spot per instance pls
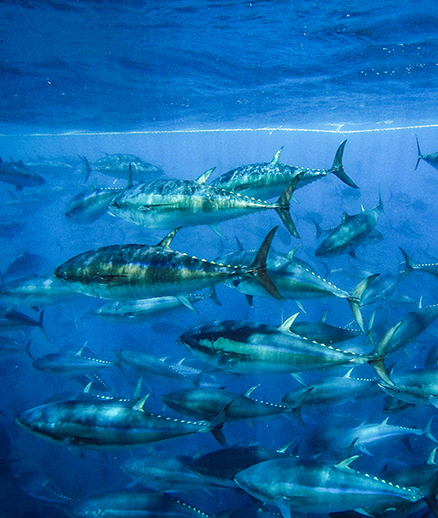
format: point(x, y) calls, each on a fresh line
point(128, 272)
point(207, 403)
point(16, 173)
point(268, 179)
point(165, 204)
point(144, 310)
point(319, 488)
point(104, 423)
point(36, 291)
point(122, 165)
point(90, 205)
point(253, 348)
point(352, 232)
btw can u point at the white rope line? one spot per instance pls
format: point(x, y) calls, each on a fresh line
point(339, 129)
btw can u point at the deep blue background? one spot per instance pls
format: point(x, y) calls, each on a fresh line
point(88, 78)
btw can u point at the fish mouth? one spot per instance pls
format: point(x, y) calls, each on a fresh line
point(59, 273)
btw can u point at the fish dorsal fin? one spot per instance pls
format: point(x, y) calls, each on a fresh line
point(348, 373)
point(276, 158)
point(324, 317)
point(285, 326)
point(87, 388)
point(81, 350)
point(420, 303)
point(385, 421)
point(165, 242)
point(290, 255)
point(139, 406)
point(345, 217)
point(362, 208)
point(239, 244)
point(250, 391)
point(204, 176)
point(346, 463)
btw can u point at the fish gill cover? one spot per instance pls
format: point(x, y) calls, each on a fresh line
point(99, 98)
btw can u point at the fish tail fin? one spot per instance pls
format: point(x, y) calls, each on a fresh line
point(283, 206)
point(410, 265)
point(86, 167)
point(430, 491)
point(216, 427)
point(258, 266)
point(338, 169)
point(318, 229)
point(26, 349)
point(419, 153)
point(428, 431)
point(297, 406)
point(354, 299)
point(377, 357)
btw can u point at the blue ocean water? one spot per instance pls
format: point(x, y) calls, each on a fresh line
point(189, 86)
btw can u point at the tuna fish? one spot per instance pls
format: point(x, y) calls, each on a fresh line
point(16, 173)
point(100, 423)
point(70, 364)
point(165, 204)
point(331, 390)
point(36, 291)
point(128, 272)
point(157, 472)
point(352, 232)
point(269, 179)
point(319, 488)
point(410, 326)
point(365, 436)
point(145, 310)
point(120, 165)
point(207, 403)
point(252, 348)
point(90, 205)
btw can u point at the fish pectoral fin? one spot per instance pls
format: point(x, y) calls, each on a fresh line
point(362, 511)
point(186, 302)
point(284, 505)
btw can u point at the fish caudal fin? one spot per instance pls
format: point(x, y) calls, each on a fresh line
point(354, 299)
point(338, 169)
point(258, 266)
point(283, 206)
point(86, 167)
point(419, 153)
point(410, 265)
point(377, 357)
